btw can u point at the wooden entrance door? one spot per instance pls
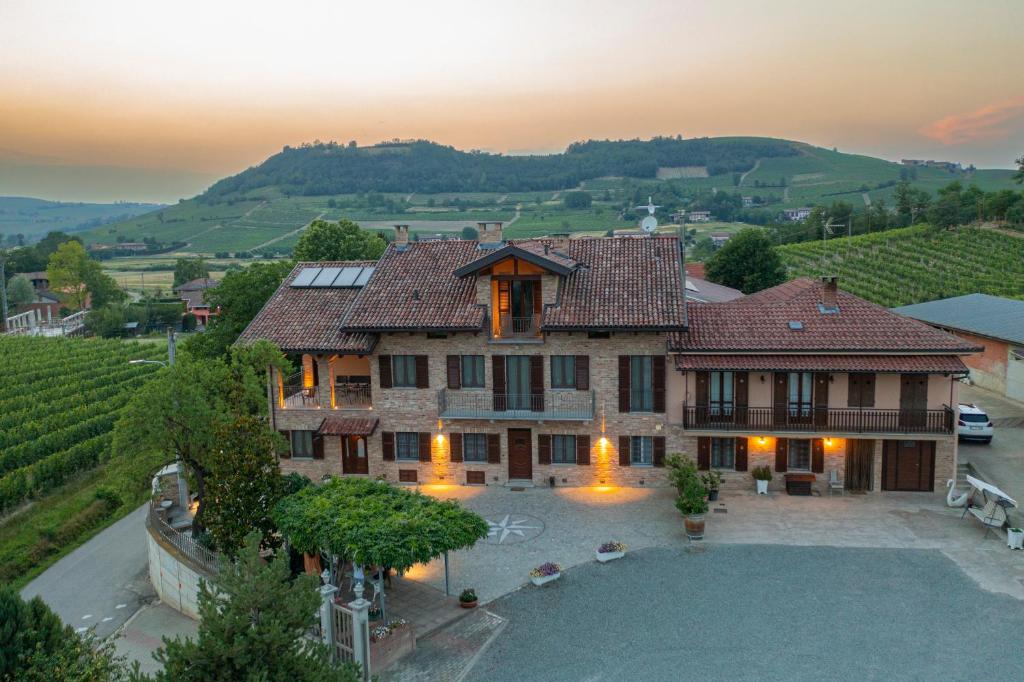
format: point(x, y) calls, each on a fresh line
point(908, 465)
point(353, 455)
point(860, 455)
point(913, 400)
point(520, 453)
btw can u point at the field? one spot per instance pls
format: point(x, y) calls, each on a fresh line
point(915, 264)
point(59, 401)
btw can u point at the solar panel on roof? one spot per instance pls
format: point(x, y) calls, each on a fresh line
point(305, 277)
point(347, 277)
point(364, 277)
point(326, 277)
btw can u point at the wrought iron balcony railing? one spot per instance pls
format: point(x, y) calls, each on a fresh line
point(518, 327)
point(552, 405)
point(817, 420)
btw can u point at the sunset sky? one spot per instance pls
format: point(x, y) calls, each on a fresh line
point(125, 99)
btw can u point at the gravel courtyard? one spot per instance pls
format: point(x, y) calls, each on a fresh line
point(758, 612)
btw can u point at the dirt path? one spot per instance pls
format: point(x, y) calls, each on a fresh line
point(519, 212)
point(785, 193)
point(867, 199)
point(284, 236)
point(757, 164)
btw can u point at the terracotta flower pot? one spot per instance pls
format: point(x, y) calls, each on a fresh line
point(694, 526)
point(468, 604)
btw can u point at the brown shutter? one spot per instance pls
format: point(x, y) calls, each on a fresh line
point(659, 451)
point(384, 361)
point(741, 454)
point(582, 372)
point(424, 446)
point(624, 458)
point(702, 389)
point(287, 452)
point(543, 449)
point(861, 390)
point(493, 448)
point(454, 371)
point(741, 385)
point(781, 454)
point(422, 372)
point(498, 382)
point(537, 383)
point(821, 398)
point(658, 371)
point(867, 391)
point(583, 450)
point(780, 398)
point(624, 383)
point(455, 443)
point(318, 446)
point(853, 389)
point(387, 446)
point(703, 453)
point(817, 455)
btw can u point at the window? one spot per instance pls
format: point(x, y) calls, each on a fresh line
point(723, 453)
point(641, 383)
point(403, 371)
point(407, 446)
point(302, 444)
point(472, 371)
point(861, 390)
point(563, 449)
point(799, 455)
point(474, 447)
point(641, 450)
point(563, 371)
point(720, 391)
point(800, 394)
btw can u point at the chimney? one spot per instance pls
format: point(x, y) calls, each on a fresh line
point(401, 237)
point(489, 235)
point(829, 301)
point(560, 241)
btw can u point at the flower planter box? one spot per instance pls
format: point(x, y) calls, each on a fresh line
point(541, 580)
point(388, 650)
point(762, 487)
point(609, 556)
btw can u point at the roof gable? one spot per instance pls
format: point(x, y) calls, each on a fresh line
point(537, 253)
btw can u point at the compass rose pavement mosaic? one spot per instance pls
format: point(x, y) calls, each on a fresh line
point(510, 529)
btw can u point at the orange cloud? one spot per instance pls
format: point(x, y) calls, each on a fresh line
point(992, 121)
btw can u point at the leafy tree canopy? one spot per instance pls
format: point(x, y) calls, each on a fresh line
point(188, 269)
point(748, 262)
point(577, 200)
point(19, 290)
point(343, 240)
point(34, 258)
point(77, 276)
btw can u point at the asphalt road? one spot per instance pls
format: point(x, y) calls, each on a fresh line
point(103, 582)
point(757, 612)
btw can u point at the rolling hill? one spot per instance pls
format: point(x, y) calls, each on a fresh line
point(35, 217)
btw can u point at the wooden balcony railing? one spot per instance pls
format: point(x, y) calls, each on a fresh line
point(553, 405)
point(818, 420)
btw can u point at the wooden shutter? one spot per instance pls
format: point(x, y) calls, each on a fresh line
point(658, 376)
point(318, 446)
point(821, 398)
point(780, 398)
point(287, 452)
point(704, 453)
point(861, 391)
point(624, 383)
point(455, 444)
point(498, 382)
point(781, 454)
point(537, 383)
point(659, 451)
point(741, 384)
point(583, 450)
point(817, 455)
point(543, 449)
point(424, 446)
point(741, 454)
point(454, 371)
point(384, 361)
point(422, 372)
point(493, 448)
point(702, 390)
point(387, 446)
point(624, 458)
point(582, 372)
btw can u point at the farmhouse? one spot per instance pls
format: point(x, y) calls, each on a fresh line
point(720, 238)
point(584, 362)
point(797, 215)
point(194, 295)
point(993, 323)
point(698, 216)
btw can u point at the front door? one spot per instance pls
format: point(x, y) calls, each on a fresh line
point(908, 465)
point(520, 453)
point(860, 455)
point(353, 455)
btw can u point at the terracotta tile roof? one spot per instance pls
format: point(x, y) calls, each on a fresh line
point(349, 426)
point(761, 322)
point(538, 252)
point(303, 319)
point(932, 364)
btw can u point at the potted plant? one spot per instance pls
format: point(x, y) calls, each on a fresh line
point(611, 550)
point(712, 481)
point(679, 469)
point(545, 573)
point(1015, 538)
point(467, 599)
point(762, 474)
point(693, 506)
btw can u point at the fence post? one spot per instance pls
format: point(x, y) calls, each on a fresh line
point(361, 630)
point(326, 623)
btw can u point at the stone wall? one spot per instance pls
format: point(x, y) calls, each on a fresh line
point(174, 580)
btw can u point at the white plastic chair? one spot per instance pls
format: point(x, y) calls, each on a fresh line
point(834, 483)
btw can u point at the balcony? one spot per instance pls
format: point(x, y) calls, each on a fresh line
point(347, 396)
point(549, 405)
point(818, 420)
point(517, 328)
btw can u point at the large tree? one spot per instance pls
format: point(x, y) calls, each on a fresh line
point(748, 262)
point(343, 240)
point(20, 291)
point(252, 626)
point(188, 269)
point(77, 276)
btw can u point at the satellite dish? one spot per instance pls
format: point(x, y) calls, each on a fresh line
point(649, 224)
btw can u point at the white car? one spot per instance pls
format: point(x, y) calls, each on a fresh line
point(973, 424)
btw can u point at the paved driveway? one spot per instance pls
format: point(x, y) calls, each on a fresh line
point(749, 612)
point(1002, 461)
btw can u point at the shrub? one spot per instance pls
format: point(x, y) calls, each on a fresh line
point(711, 479)
point(468, 595)
point(680, 469)
point(612, 546)
point(691, 499)
point(546, 569)
point(762, 473)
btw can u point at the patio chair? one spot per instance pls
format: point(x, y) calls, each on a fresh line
point(834, 483)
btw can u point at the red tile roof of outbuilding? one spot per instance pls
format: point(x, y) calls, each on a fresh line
point(945, 364)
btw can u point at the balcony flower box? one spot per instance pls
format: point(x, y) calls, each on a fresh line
point(545, 573)
point(610, 551)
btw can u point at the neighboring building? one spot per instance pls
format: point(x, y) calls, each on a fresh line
point(702, 291)
point(695, 270)
point(698, 216)
point(949, 166)
point(720, 238)
point(194, 295)
point(40, 280)
point(747, 201)
point(797, 215)
point(46, 304)
point(996, 324)
point(581, 362)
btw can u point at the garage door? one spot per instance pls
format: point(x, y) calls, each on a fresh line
point(908, 465)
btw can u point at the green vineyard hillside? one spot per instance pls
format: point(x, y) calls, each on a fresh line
point(915, 264)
